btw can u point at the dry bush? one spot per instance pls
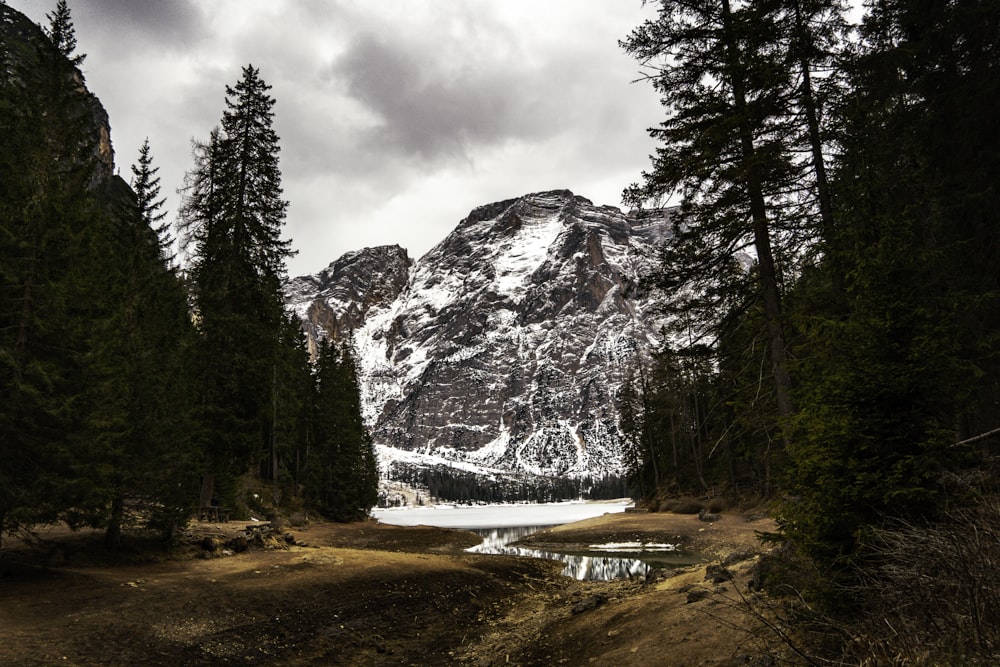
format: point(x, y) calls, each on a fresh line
point(687, 506)
point(933, 592)
point(923, 595)
point(775, 625)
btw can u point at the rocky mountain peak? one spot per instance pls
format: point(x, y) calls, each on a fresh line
point(336, 301)
point(506, 344)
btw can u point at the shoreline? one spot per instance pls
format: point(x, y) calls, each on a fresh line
point(370, 593)
point(718, 539)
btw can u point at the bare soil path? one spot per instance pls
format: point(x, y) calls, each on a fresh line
point(366, 594)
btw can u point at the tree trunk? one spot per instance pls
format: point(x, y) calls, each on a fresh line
point(274, 433)
point(696, 442)
point(207, 489)
point(761, 227)
point(772, 314)
point(113, 534)
point(809, 106)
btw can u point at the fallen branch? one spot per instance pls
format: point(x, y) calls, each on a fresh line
point(977, 438)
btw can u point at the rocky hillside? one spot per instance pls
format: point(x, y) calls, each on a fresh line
point(503, 347)
point(337, 300)
point(27, 56)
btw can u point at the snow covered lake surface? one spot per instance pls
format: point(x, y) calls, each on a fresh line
point(474, 517)
point(502, 524)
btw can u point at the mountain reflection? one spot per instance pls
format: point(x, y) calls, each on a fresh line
point(584, 567)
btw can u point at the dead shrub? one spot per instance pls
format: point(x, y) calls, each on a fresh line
point(667, 505)
point(916, 596)
point(716, 505)
point(687, 506)
point(933, 591)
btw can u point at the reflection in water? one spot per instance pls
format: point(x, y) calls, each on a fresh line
point(583, 566)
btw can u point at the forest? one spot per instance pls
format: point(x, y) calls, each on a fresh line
point(834, 291)
point(458, 486)
point(135, 393)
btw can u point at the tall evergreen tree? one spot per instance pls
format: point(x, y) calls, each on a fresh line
point(146, 185)
point(813, 38)
point(49, 213)
point(910, 366)
point(89, 348)
point(94, 327)
point(722, 148)
point(641, 468)
point(232, 215)
point(745, 147)
point(140, 463)
point(255, 208)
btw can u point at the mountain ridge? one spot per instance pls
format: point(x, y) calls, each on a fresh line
point(509, 340)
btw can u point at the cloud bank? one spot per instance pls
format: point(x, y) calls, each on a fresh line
point(396, 118)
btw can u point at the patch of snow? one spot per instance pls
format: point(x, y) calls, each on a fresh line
point(523, 253)
point(389, 455)
point(498, 516)
point(495, 449)
point(633, 546)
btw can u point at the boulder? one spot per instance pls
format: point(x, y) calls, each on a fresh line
point(697, 594)
point(717, 574)
point(238, 544)
point(211, 543)
point(590, 603)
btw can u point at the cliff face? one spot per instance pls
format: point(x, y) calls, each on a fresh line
point(337, 300)
point(506, 344)
point(29, 61)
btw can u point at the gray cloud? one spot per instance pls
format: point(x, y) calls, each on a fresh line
point(174, 24)
point(430, 110)
point(396, 117)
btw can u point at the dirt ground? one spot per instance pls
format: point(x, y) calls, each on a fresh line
point(373, 594)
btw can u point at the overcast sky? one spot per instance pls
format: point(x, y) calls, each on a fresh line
point(396, 117)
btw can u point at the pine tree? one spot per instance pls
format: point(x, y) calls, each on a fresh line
point(813, 37)
point(94, 328)
point(146, 185)
point(141, 375)
point(232, 216)
point(49, 210)
point(342, 477)
point(255, 207)
point(641, 470)
point(892, 380)
point(723, 84)
point(63, 34)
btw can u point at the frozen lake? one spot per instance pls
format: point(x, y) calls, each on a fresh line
point(500, 525)
point(476, 517)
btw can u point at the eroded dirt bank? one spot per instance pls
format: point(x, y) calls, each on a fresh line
point(370, 594)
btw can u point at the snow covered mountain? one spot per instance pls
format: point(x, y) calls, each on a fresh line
point(504, 346)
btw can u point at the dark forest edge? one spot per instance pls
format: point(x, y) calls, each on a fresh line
point(834, 289)
point(442, 483)
point(135, 393)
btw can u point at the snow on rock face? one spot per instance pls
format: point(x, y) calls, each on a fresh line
point(338, 299)
point(506, 344)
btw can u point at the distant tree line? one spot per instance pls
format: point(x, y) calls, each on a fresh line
point(134, 391)
point(458, 486)
point(834, 278)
